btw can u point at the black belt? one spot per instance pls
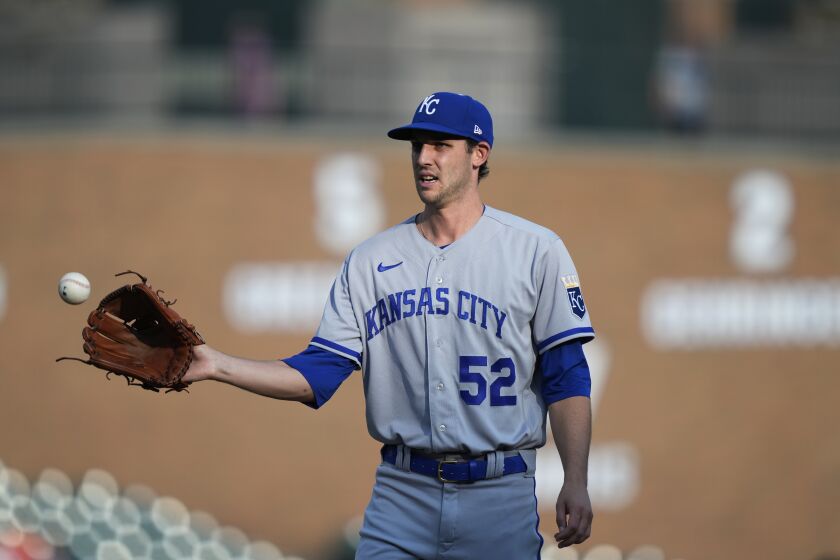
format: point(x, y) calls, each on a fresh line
point(464, 470)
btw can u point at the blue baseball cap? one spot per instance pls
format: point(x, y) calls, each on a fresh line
point(449, 113)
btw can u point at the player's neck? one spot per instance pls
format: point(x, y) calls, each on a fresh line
point(445, 225)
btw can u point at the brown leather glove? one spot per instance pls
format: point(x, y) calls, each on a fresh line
point(135, 333)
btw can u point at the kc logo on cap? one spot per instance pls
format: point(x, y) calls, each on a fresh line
point(427, 104)
point(455, 114)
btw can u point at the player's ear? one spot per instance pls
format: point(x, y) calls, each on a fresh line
point(480, 154)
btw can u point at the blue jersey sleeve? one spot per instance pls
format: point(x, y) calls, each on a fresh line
point(564, 372)
point(325, 371)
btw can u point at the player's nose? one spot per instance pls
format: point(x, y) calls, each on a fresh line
point(423, 154)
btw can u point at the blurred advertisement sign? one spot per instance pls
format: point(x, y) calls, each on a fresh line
point(697, 313)
point(277, 297)
point(701, 313)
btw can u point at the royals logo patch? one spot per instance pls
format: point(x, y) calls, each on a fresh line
point(575, 296)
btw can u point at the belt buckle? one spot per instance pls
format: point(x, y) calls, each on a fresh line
point(440, 470)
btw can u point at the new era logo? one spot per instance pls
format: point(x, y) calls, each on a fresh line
point(477, 130)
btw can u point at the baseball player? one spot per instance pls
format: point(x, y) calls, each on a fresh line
point(467, 324)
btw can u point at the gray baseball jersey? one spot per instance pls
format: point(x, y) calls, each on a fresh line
point(448, 338)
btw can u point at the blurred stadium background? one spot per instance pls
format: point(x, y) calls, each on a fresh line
point(686, 150)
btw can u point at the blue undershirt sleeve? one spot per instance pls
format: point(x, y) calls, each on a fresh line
point(325, 371)
point(564, 372)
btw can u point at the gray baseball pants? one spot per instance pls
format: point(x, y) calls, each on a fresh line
point(412, 516)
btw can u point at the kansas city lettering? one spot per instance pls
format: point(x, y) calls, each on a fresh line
point(467, 307)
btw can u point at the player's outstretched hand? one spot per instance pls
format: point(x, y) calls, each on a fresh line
point(574, 515)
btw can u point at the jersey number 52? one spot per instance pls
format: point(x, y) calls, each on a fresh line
point(478, 394)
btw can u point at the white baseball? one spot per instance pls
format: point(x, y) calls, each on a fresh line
point(74, 288)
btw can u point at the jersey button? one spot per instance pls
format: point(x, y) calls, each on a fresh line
point(439, 342)
point(439, 280)
point(440, 386)
point(442, 427)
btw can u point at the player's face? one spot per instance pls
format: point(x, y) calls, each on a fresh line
point(443, 168)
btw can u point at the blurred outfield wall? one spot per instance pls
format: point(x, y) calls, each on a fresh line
point(713, 280)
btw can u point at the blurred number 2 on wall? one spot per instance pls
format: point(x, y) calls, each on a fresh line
point(763, 204)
